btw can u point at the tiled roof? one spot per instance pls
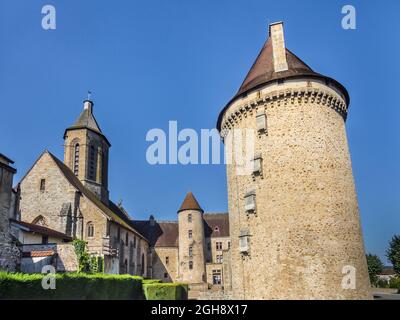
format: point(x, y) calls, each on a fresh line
point(166, 233)
point(216, 225)
point(262, 72)
point(161, 234)
point(34, 228)
point(190, 203)
point(38, 253)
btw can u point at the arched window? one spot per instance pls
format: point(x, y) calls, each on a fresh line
point(40, 221)
point(90, 229)
point(76, 159)
point(92, 163)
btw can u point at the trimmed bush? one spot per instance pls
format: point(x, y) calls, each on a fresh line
point(76, 286)
point(148, 281)
point(394, 283)
point(165, 291)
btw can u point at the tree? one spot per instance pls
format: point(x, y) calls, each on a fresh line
point(375, 267)
point(393, 253)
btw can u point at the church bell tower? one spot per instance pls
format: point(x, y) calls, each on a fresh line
point(86, 151)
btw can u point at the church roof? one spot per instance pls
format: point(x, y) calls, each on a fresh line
point(86, 120)
point(111, 210)
point(159, 234)
point(190, 203)
point(166, 233)
point(262, 72)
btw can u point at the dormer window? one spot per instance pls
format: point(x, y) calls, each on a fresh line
point(216, 229)
point(250, 202)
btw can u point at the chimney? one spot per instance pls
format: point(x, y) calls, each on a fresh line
point(152, 221)
point(278, 46)
point(88, 105)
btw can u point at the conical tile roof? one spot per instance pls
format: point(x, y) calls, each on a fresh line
point(190, 203)
point(262, 72)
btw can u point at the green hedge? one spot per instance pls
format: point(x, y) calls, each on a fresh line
point(394, 283)
point(165, 291)
point(75, 286)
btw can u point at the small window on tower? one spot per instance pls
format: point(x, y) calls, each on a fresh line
point(92, 166)
point(42, 185)
point(166, 260)
point(261, 120)
point(244, 241)
point(250, 202)
point(190, 251)
point(257, 165)
point(190, 234)
point(190, 265)
point(189, 217)
point(76, 159)
point(165, 275)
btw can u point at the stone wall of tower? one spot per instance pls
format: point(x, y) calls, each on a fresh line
point(87, 138)
point(306, 228)
point(198, 273)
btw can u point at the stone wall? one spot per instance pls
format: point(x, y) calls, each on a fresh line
point(9, 253)
point(160, 266)
point(306, 227)
point(66, 258)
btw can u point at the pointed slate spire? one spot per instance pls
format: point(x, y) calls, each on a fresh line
point(190, 203)
point(86, 119)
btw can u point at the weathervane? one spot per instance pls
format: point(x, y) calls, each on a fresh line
point(89, 94)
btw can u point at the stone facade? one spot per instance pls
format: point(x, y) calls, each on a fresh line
point(72, 198)
point(304, 229)
point(9, 253)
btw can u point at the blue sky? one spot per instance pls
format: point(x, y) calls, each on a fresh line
point(149, 62)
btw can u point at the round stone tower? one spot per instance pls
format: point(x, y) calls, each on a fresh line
point(294, 217)
point(191, 241)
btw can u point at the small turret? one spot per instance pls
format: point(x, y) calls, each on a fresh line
point(191, 241)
